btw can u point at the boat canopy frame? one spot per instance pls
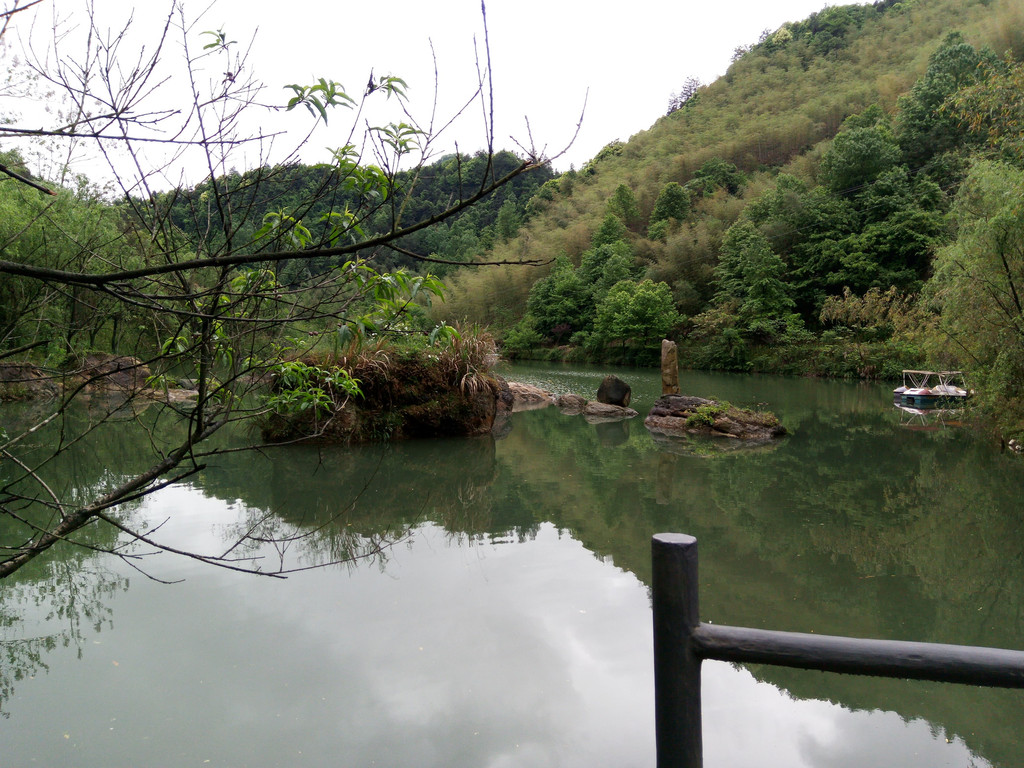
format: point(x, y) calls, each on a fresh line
point(920, 379)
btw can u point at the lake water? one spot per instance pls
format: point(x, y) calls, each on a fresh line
point(499, 614)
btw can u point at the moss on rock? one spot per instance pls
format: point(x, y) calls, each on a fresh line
point(681, 414)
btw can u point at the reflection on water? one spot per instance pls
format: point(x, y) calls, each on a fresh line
point(499, 614)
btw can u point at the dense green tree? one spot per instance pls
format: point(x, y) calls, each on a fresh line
point(857, 157)
point(979, 283)
point(642, 313)
point(901, 223)
point(69, 230)
point(716, 174)
point(897, 190)
point(317, 194)
point(612, 230)
point(924, 128)
point(673, 203)
point(623, 204)
point(563, 303)
point(992, 110)
point(508, 221)
point(830, 29)
point(561, 300)
point(878, 234)
point(888, 253)
point(871, 117)
point(750, 274)
point(459, 241)
point(780, 213)
point(603, 266)
point(522, 337)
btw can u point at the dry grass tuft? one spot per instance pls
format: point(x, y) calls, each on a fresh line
point(467, 358)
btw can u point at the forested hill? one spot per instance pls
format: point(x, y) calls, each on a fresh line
point(806, 196)
point(313, 194)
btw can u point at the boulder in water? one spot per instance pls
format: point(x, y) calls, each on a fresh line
point(614, 391)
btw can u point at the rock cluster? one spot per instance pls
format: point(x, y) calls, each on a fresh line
point(571, 405)
point(23, 381)
point(599, 413)
point(99, 375)
point(528, 397)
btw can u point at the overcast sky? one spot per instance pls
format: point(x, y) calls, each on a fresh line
point(548, 57)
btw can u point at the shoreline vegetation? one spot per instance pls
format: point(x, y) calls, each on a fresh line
point(816, 358)
point(830, 207)
point(844, 202)
point(386, 392)
point(838, 254)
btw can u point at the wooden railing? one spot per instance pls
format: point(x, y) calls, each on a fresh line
point(682, 642)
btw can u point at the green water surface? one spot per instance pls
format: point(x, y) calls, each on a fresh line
point(498, 613)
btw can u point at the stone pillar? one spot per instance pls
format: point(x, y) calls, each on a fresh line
point(669, 368)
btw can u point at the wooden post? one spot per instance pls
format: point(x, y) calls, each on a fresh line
point(681, 642)
point(677, 712)
point(669, 368)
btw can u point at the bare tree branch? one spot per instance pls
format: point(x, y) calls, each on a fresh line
point(196, 273)
point(17, 176)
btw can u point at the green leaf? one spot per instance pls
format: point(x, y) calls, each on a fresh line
point(220, 39)
point(316, 98)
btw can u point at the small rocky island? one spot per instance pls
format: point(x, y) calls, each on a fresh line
point(674, 414)
point(686, 415)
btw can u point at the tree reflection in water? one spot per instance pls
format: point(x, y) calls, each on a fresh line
point(853, 525)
